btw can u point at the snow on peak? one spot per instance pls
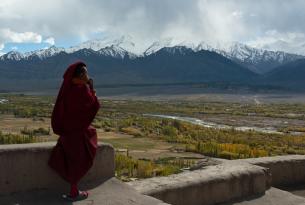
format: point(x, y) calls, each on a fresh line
point(110, 46)
point(247, 53)
point(12, 55)
point(115, 51)
point(44, 53)
point(122, 46)
point(204, 46)
point(179, 49)
point(157, 45)
point(123, 42)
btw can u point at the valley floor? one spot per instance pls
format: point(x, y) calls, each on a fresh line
point(164, 146)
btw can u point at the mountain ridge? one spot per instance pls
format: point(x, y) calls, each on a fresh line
point(159, 64)
point(258, 60)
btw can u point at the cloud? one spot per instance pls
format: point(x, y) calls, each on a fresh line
point(237, 14)
point(7, 35)
point(6, 14)
point(50, 41)
point(272, 36)
point(1, 47)
point(292, 42)
point(147, 20)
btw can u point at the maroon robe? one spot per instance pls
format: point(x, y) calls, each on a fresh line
point(75, 108)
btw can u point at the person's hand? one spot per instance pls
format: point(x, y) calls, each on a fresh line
point(90, 82)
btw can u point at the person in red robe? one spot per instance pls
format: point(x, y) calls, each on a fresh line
point(75, 108)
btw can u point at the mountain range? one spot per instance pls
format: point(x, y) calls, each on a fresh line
point(115, 61)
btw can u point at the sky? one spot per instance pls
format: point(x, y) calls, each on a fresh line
point(27, 25)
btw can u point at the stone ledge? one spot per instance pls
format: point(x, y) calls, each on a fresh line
point(273, 196)
point(24, 167)
point(215, 184)
point(285, 170)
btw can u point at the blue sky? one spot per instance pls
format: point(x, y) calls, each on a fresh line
point(27, 25)
point(60, 42)
point(25, 47)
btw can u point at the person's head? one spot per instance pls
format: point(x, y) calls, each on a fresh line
point(81, 72)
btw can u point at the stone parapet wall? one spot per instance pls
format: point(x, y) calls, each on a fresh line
point(24, 167)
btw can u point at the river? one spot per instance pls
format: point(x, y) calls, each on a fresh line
point(196, 121)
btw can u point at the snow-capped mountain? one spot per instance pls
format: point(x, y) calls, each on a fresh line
point(246, 53)
point(41, 54)
point(112, 61)
point(119, 44)
point(44, 53)
point(118, 48)
point(169, 43)
point(176, 50)
point(157, 45)
point(116, 51)
point(12, 56)
point(257, 60)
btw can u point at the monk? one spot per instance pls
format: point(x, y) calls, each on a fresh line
point(75, 108)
